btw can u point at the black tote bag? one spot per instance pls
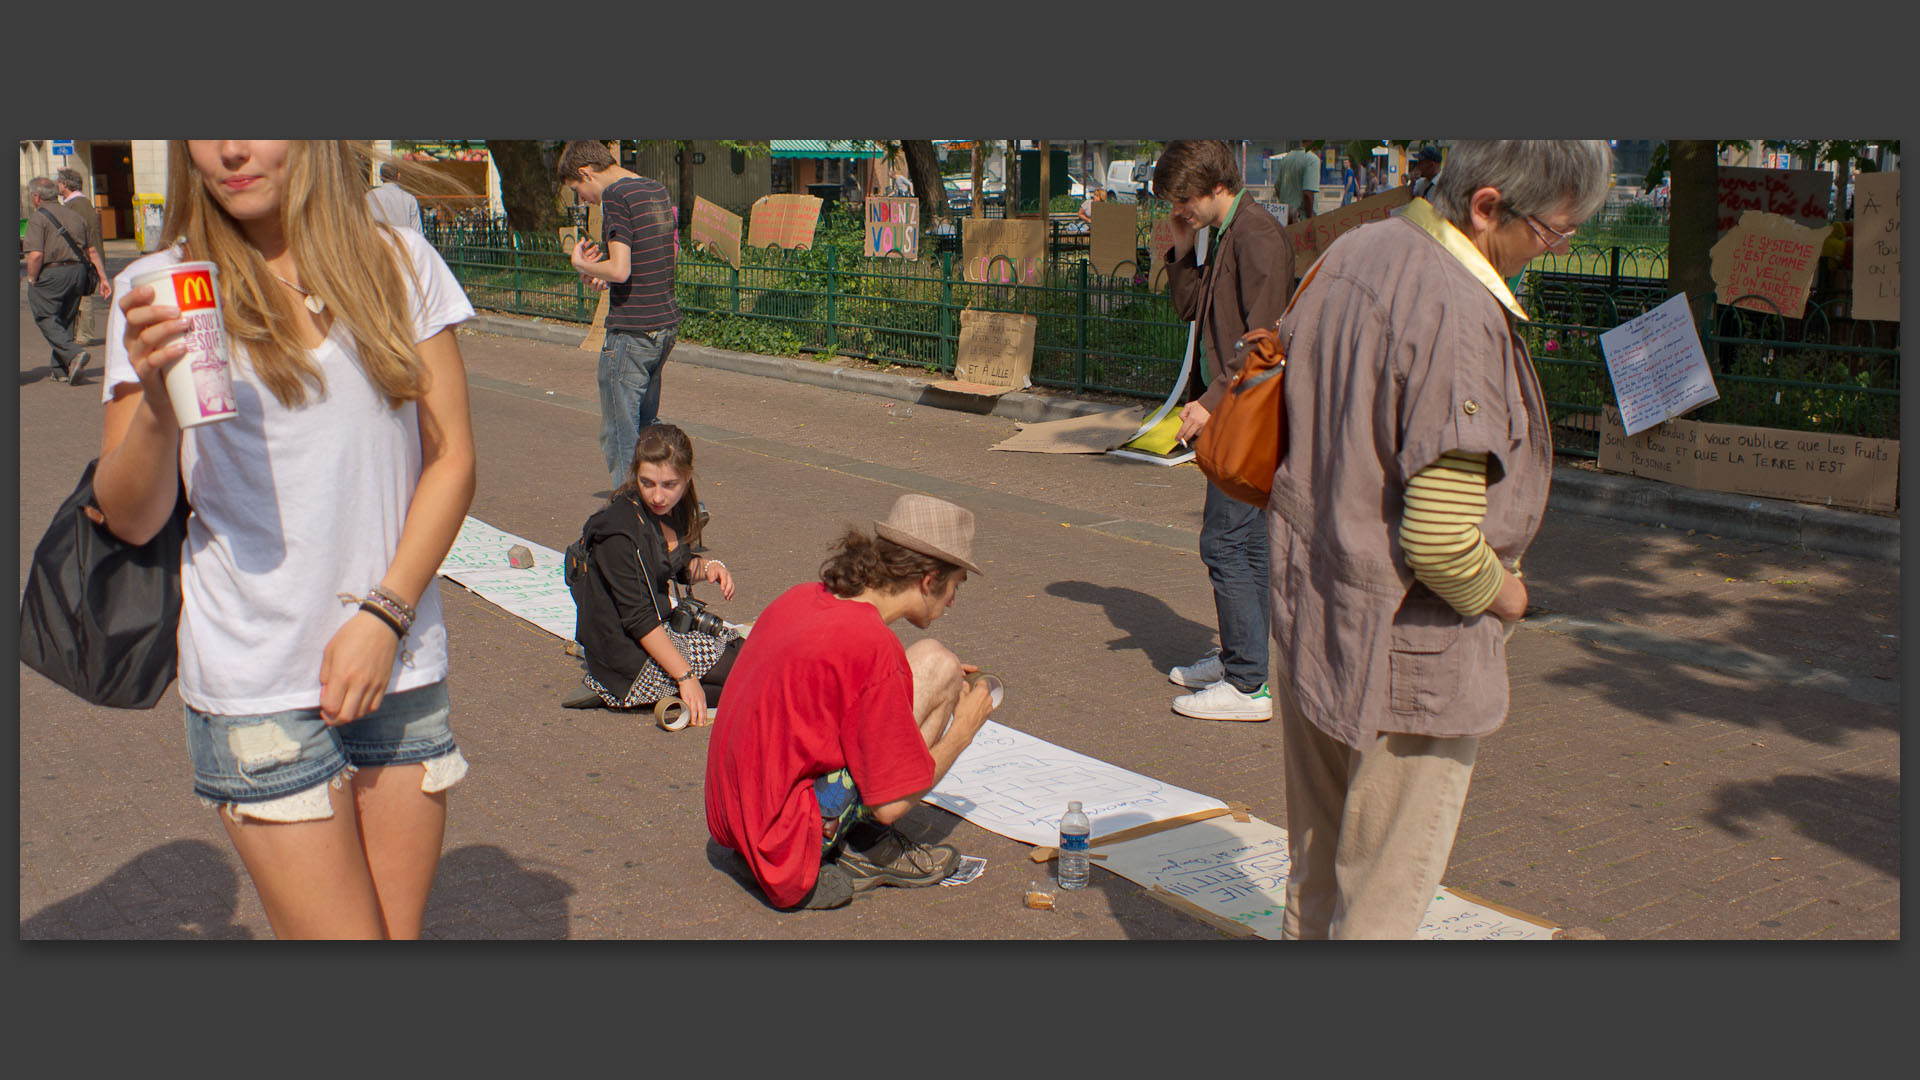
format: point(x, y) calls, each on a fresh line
point(100, 616)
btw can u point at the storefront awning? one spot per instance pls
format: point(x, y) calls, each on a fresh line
point(826, 148)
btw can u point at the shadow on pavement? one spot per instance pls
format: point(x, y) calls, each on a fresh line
point(1669, 693)
point(186, 890)
point(480, 891)
point(1855, 815)
point(1146, 623)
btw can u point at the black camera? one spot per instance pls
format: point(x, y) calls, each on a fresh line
point(690, 616)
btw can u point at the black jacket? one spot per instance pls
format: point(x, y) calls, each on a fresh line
point(623, 594)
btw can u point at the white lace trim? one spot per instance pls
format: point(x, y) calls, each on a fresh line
point(444, 771)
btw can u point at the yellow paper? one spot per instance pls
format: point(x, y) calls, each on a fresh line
point(1161, 437)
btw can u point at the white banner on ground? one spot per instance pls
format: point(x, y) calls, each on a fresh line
point(538, 594)
point(1016, 785)
point(1234, 873)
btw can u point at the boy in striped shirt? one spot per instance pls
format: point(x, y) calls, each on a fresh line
point(634, 262)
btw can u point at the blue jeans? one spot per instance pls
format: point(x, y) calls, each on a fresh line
point(629, 393)
point(1233, 544)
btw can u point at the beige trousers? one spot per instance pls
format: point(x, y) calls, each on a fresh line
point(1369, 831)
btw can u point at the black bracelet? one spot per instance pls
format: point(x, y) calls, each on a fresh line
point(385, 617)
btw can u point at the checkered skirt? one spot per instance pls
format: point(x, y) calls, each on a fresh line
point(653, 684)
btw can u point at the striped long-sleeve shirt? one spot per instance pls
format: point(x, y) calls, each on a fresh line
point(1440, 532)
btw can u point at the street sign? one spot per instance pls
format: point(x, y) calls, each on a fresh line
point(63, 147)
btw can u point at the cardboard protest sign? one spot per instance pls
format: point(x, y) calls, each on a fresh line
point(1113, 239)
point(1837, 470)
point(1311, 236)
point(1659, 370)
point(783, 221)
point(597, 332)
point(1094, 433)
point(893, 228)
point(1766, 263)
point(1000, 251)
point(1876, 246)
point(996, 353)
point(1800, 194)
point(1157, 247)
point(716, 228)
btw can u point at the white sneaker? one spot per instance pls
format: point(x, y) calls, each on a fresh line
point(1200, 674)
point(1222, 702)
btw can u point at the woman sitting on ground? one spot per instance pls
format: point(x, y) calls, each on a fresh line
point(643, 537)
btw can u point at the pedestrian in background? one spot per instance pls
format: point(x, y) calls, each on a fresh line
point(58, 255)
point(391, 203)
point(72, 189)
point(634, 262)
point(1398, 521)
point(1244, 284)
point(313, 653)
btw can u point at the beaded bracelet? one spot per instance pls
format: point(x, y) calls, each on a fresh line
point(401, 615)
point(406, 611)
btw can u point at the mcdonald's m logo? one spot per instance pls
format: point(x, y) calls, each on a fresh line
point(194, 290)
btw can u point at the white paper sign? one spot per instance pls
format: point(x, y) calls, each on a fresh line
point(1013, 784)
point(1237, 871)
point(538, 594)
point(1659, 370)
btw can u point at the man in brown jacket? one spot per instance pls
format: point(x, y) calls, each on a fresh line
point(1243, 284)
point(1414, 478)
point(72, 188)
point(57, 275)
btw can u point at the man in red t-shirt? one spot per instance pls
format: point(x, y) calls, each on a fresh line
point(832, 731)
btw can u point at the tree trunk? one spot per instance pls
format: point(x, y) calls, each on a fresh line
point(979, 177)
point(923, 169)
point(528, 189)
point(685, 154)
point(1693, 225)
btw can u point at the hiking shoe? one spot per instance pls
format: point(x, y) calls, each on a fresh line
point(832, 889)
point(80, 363)
point(1222, 701)
point(878, 855)
point(1200, 674)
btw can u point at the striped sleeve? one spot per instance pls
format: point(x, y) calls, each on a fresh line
point(1440, 532)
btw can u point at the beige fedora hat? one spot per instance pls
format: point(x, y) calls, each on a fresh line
point(933, 527)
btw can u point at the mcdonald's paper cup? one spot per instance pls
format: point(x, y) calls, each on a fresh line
point(200, 383)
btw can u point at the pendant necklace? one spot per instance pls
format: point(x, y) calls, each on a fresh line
point(314, 303)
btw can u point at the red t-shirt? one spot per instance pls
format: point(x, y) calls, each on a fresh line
point(821, 684)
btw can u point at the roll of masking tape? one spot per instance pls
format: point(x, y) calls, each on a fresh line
point(995, 688)
point(671, 714)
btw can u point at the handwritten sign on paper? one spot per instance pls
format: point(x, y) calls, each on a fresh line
point(717, 229)
point(893, 228)
point(1311, 236)
point(1002, 251)
point(996, 353)
point(1237, 871)
point(538, 594)
point(1876, 246)
point(1113, 239)
point(1837, 470)
point(1659, 370)
point(784, 221)
point(1766, 263)
point(1799, 194)
point(1014, 784)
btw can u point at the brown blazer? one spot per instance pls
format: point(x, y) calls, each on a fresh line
point(1245, 285)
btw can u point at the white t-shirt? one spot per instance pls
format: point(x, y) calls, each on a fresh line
point(292, 507)
point(394, 205)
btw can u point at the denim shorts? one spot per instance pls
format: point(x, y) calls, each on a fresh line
point(246, 762)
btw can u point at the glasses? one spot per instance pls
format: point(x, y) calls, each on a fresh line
point(1551, 237)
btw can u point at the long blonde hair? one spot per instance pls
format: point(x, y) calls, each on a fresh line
point(343, 255)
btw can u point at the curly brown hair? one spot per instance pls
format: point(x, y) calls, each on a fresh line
point(860, 562)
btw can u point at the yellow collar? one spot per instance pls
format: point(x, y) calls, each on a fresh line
point(1422, 213)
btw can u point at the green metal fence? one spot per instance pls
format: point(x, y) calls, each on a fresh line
point(1824, 372)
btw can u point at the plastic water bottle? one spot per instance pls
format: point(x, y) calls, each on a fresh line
point(1075, 831)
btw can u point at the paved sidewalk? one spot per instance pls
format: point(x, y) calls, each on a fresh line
point(1703, 742)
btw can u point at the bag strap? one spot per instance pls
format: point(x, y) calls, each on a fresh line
point(77, 249)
